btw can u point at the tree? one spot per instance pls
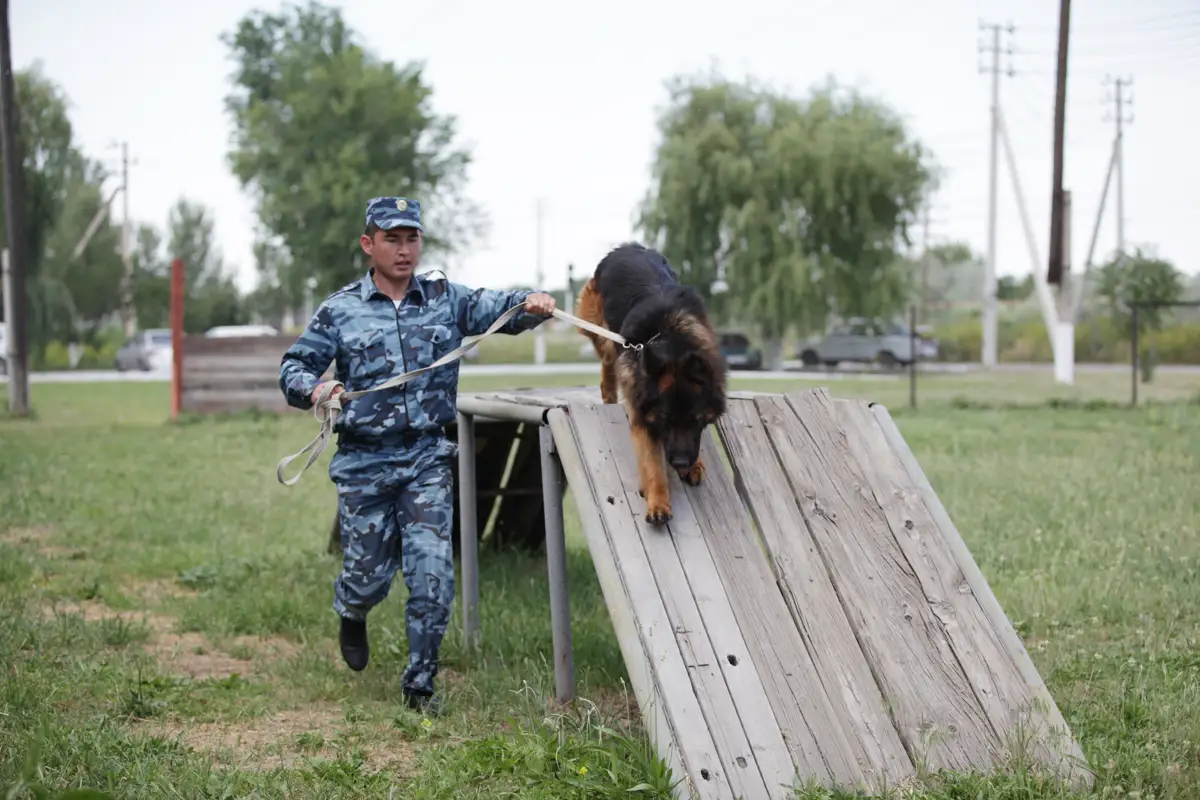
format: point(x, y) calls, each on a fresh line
point(321, 125)
point(1138, 277)
point(90, 282)
point(210, 295)
point(804, 203)
point(151, 280)
point(1009, 288)
point(52, 165)
point(953, 273)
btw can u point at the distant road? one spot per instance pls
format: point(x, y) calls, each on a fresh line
point(591, 369)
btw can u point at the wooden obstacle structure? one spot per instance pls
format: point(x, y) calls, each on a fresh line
point(810, 614)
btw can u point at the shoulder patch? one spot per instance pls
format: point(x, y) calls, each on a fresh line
point(352, 287)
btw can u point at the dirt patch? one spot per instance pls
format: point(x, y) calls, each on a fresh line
point(287, 738)
point(153, 591)
point(614, 706)
point(37, 538)
point(190, 654)
point(35, 534)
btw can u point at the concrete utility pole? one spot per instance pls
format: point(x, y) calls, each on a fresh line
point(1120, 101)
point(990, 325)
point(16, 298)
point(925, 263)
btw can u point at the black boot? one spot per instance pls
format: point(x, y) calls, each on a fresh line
point(353, 638)
point(429, 704)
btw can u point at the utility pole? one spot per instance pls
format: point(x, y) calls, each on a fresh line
point(15, 295)
point(925, 262)
point(1120, 101)
point(990, 336)
point(129, 311)
point(539, 338)
point(1057, 270)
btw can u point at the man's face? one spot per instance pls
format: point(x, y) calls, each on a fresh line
point(395, 253)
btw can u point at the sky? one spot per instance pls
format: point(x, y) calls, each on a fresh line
point(560, 105)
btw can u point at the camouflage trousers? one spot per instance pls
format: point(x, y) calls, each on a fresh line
point(396, 508)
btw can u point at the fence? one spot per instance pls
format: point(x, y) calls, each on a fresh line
point(1139, 312)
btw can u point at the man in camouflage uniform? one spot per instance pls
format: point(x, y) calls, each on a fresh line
point(392, 467)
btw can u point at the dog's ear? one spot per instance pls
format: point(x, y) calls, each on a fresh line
point(695, 369)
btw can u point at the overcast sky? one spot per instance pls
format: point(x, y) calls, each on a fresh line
point(561, 104)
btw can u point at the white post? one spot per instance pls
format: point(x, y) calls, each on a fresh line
point(1064, 329)
point(539, 333)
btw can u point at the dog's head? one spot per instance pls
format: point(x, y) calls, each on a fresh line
point(682, 390)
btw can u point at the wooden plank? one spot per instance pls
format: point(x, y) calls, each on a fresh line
point(1067, 756)
point(940, 722)
point(849, 709)
point(820, 745)
point(658, 612)
point(198, 345)
point(998, 685)
point(640, 628)
point(231, 400)
point(744, 728)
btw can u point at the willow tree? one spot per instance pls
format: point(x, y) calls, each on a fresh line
point(802, 205)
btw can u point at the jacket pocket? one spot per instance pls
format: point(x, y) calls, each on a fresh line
point(366, 358)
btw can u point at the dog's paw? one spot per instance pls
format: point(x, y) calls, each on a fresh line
point(658, 509)
point(693, 475)
point(658, 513)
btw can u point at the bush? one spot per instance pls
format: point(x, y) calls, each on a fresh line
point(1178, 344)
point(1097, 340)
point(55, 356)
point(101, 357)
point(959, 341)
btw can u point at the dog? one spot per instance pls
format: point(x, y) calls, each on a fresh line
point(673, 386)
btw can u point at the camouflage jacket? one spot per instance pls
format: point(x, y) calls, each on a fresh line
point(372, 340)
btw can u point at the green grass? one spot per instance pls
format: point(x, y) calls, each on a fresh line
point(222, 677)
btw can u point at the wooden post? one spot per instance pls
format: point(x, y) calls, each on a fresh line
point(553, 486)
point(176, 337)
point(912, 356)
point(1133, 324)
point(468, 530)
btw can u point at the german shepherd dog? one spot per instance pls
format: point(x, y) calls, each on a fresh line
point(674, 385)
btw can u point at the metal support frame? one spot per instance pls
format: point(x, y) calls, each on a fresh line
point(553, 488)
point(468, 530)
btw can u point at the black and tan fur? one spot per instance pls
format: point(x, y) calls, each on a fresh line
point(674, 386)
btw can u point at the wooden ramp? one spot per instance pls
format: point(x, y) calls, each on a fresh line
point(810, 614)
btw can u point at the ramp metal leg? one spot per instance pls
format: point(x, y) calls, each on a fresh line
point(553, 487)
point(468, 530)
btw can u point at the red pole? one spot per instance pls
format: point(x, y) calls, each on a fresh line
point(176, 337)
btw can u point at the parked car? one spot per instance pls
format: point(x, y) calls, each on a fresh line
point(738, 352)
point(148, 350)
point(867, 341)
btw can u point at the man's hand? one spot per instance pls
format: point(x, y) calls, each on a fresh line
point(540, 303)
point(336, 391)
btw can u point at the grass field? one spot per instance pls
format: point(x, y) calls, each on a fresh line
point(165, 623)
